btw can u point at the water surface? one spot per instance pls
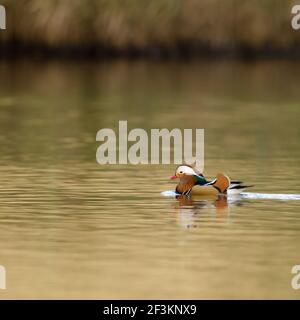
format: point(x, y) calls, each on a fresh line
point(70, 228)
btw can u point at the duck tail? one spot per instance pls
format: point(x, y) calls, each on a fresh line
point(239, 185)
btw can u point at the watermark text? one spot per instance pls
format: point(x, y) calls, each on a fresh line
point(296, 279)
point(161, 146)
point(296, 17)
point(2, 278)
point(2, 18)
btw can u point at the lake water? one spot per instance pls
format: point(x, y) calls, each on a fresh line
point(70, 228)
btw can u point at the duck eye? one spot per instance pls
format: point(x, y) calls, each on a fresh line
point(180, 172)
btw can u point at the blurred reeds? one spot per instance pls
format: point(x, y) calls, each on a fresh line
point(151, 27)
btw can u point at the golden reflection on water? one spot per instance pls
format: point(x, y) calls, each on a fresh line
point(70, 228)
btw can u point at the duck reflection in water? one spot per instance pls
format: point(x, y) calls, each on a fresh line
point(188, 210)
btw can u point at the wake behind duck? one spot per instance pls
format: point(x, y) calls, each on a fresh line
point(248, 195)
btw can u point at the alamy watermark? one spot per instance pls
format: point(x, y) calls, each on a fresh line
point(2, 278)
point(139, 147)
point(296, 279)
point(296, 18)
point(2, 18)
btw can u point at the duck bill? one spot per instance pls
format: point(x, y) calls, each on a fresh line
point(173, 177)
